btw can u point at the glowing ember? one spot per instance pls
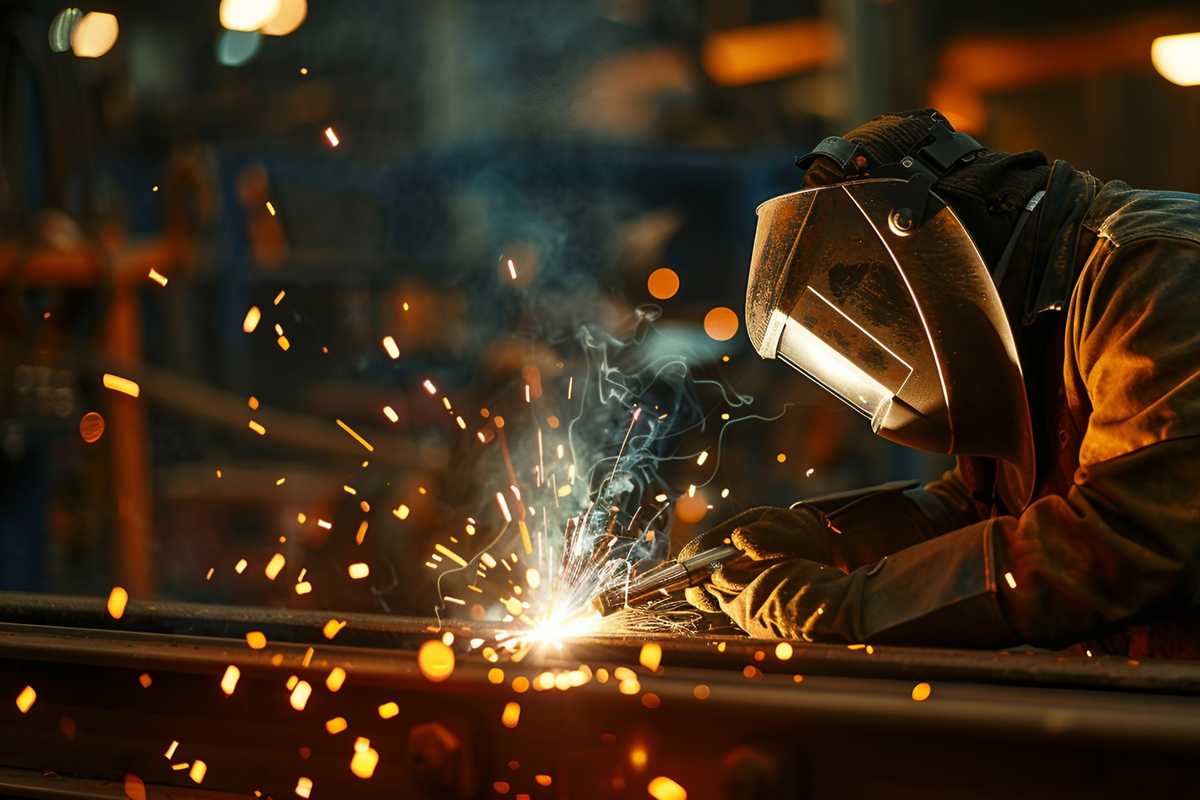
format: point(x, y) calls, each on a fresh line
point(333, 139)
point(26, 699)
point(256, 640)
point(196, 773)
point(435, 660)
point(336, 725)
point(359, 570)
point(390, 346)
point(304, 787)
point(229, 680)
point(511, 715)
point(921, 692)
point(663, 788)
point(122, 385)
point(388, 710)
point(429, 387)
point(1010, 580)
point(257, 427)
point(145, 680)
point(335, 679)
point(117, 600)
point(391, 414)
point(543, 780)
point(401, 511)
point(332, 628)
point(157, 277)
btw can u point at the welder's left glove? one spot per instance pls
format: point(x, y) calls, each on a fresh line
point(942, 590)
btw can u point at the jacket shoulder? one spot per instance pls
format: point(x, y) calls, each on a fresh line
point(1124, 215)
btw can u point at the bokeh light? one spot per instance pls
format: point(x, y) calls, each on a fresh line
point(247, 15)
point(435, 660)
point(60, 29)
point(1177, 58)
point(721, 323)
point(91, 427)
point(290, 15)
point(235, 48)
point(94, 35)
point(663, 283)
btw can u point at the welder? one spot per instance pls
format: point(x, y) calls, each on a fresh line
point(1037, 323)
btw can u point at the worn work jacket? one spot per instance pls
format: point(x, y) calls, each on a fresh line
point(1106, 312)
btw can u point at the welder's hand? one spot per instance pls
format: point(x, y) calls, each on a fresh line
point(791, 599)
point(765, 535)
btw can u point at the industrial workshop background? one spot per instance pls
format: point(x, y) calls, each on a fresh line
point(447, 174)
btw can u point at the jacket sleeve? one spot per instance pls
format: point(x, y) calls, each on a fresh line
point(1121, 546)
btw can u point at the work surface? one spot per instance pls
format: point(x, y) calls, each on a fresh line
point(826, 719)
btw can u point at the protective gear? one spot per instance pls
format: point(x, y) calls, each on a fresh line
point(765, 536)
point(1102, 295)
point(873, 288)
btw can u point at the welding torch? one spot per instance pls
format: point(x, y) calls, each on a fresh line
point(670, 577)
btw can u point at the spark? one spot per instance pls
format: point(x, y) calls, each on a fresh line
point(921, 692)
point(170, 751)
point(279, 297)
point(364, 760)
point(435, 660)
point(512, 269)
point(304, 787)
point(251, 320)
point(429, 387)
point(332, 628)
point(196, 773)
point(455, 600)
point(256, 640)
point(325, 524)
point(145, 680)
point(26, 699)
point(270, 208)
point(117, 599)
point(503, 507)
point(122, 385)
point(300, 695)
point(334, 141)
point(450, 554)
point(283, 343)
point(157, 277)
point(401, 511)
point(359, 570)
point(229, 680)
point(390, 347)
point(388, 710)
point(361, 533)
point(702, 458)
point(651, 656)
point(240, 566)
point(1010, 580)
point(663, 788)
point(274, 566)
point(367, 445)
point(257, 427)
point(336, 725)
point(809, 472)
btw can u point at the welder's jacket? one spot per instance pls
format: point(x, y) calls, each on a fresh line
point(1105, 306)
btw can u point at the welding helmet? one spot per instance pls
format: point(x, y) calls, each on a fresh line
point(873, 288)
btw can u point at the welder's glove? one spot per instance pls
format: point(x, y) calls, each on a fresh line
point(765, 535)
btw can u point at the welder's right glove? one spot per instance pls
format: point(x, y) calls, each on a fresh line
point(766, 536)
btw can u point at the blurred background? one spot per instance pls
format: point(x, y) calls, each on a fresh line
point(232, 202)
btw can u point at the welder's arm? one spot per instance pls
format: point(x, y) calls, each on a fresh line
point(1122, 545)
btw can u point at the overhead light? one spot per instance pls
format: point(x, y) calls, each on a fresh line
point(94, 35)
point(1177, 58)
point(289, 16)
point(247, 15)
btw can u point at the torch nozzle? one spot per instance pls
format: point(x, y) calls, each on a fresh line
point(666, 578)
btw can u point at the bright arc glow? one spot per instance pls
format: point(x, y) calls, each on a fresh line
point(247, 15)
point(94, 35)
point(1177, 58)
